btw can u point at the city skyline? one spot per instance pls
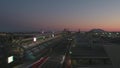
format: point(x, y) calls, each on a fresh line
point(36, 15)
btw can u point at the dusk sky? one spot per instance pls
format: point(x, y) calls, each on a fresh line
point(36, 15)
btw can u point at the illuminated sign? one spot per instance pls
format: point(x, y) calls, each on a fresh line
point(34, 39)
point(10, 59)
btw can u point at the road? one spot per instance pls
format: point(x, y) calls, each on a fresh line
point(32, 44)
point(37, 51)
point(57, 56)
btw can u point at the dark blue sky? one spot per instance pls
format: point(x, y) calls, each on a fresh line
point(34, 15)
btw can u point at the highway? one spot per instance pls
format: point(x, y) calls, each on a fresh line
point(37, 51)
point(56, 58)
point(67, 51)
point(63, 53)
point(31, 43)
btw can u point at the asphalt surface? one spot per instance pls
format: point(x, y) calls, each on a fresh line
point(37, 52)
point(57, 57)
